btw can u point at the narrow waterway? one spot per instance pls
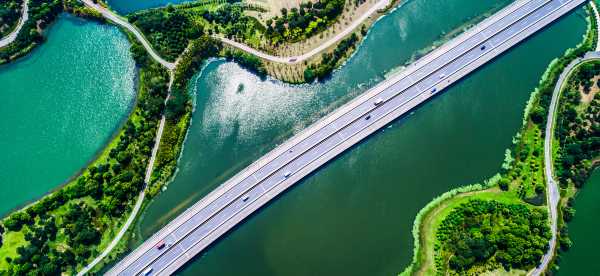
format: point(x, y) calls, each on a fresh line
point(60, 105)
point(354, 216)
point(129, 6)
point(582, 258)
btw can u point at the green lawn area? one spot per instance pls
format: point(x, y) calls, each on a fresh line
point(11, 241)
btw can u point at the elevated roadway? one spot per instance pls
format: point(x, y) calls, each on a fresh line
point(247, 191)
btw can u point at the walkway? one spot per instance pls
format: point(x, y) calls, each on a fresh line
point(138, 204)
point(111, 16)
point(296, 59)
point(13, 35)
point(249, 190)
point(551, 185)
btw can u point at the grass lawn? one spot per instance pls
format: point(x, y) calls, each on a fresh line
point(11, 241)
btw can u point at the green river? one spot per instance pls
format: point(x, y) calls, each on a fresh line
point(582, 258)
point(353, 217)
point(60, 105)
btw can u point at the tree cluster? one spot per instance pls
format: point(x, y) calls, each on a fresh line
point(578, 128)
point(169, 30)
point(305, 21)
point(483, 231)
point(248, 61)
point(329, 61)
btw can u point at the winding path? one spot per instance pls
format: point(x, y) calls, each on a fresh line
point(551, 187)
point(138, 204)
point(551, 184)
point(13, 35)
point(111, 16)
point(296, 59)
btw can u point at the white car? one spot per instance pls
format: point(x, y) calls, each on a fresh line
point(378, 101)
point(442, 76)
point(287, 174)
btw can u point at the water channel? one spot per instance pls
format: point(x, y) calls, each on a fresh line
point(582, 258)
point(60, 106)
point(354, 216)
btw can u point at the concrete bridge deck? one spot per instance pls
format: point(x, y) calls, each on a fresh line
point(247, 191)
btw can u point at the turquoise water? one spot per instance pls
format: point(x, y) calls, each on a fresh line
point(60, 105)
point(354, 216)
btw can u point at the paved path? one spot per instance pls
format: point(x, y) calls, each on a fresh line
point(141, 196)
point(111, 16)
point(296, 59)
point(246, 192)
point(551, 185)
point(13, 35)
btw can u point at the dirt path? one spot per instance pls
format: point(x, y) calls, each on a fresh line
point(299, 58)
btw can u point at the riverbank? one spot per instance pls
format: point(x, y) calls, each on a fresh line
point(521, 171)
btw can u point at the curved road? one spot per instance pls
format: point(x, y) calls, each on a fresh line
point(551, 185)
point(296, 59)
point(108, 14)
point(13, 35)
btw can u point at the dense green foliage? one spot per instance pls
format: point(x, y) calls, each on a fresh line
point(578, 127)
point(305, 21)
point(329, 61)
point(248, 61)
point(482, 231)
point(231, 21)
point(169, 30)
point(40, 11)
point(10, 13)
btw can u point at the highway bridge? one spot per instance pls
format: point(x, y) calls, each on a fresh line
point(233, 201)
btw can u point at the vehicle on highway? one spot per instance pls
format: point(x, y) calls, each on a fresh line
point(368, 117)
point(442, 76)
point(245, 198)
point(433, 90)
point(147, 271)
point(287, 174)
point(292, 59)
point(378, 101)
point(482, 47)
point(160, 245)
